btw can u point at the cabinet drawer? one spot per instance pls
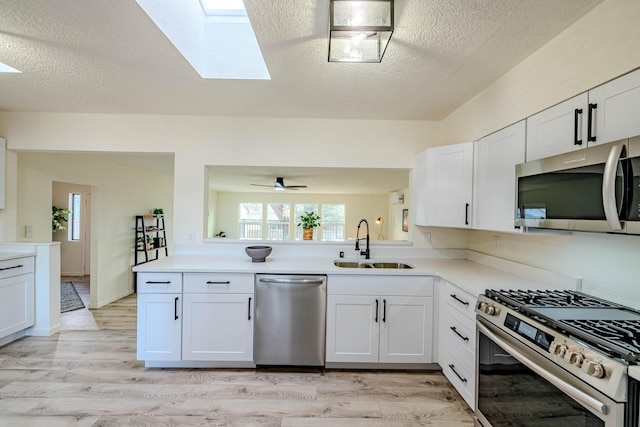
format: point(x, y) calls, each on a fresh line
point(460, 300)
point(460, 331)
point(159, 283)
point(16, 267)
point(218, 283)
point(380, 285)
point(461, 372)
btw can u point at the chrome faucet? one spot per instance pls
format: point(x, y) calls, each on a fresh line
point(366, 252)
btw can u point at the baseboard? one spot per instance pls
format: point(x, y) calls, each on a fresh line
point(100, 304)
point(43, 332)
point(10, 338)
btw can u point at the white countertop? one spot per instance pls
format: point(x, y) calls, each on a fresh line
point(473, 277)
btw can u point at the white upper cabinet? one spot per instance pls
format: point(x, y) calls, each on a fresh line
point(617, 106)
point(495, 160)
point(604, 114)
point(559, 129)
point(449, 183)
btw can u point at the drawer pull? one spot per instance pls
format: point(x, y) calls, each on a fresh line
point(168, 282)
point(218, 283)
point(461, 301)
point(11, 268)
point(462, 337)
point(453, 368)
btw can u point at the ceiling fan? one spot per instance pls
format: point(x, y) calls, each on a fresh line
point(279, 185)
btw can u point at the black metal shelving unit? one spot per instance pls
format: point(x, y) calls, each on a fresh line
point(151, 238)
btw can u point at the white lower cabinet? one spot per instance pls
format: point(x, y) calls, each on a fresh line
point(17, 296)
point(159, 316)
point(363, 327)
point(457, 339)
point(218, 317)
point(217, 327)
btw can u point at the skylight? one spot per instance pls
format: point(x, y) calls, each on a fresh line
point(215, 36)
point(4, 68)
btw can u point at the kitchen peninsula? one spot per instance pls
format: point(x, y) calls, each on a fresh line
point(365, 306)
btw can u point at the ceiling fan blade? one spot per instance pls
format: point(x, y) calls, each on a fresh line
point(261, 185)
point(294, 187)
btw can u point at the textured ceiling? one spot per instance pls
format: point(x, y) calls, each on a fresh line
point(108, 57)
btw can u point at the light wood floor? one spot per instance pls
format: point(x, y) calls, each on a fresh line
point(87, 375)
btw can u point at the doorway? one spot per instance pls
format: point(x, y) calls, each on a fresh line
point(75, 238)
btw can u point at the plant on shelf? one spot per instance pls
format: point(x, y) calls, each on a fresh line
point(141, 243)
point(308, 222)
point(59, 218)
point(220, 234)
point(158, 211)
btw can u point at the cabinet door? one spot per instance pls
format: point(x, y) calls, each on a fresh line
point(406, 329)
point(17, 304)
point(159, 326)
point(353, 325)
point(419, 181)
point(559, 129)
point(449, 180)
point(616, 114)
point(495, 160)
point(218, 327)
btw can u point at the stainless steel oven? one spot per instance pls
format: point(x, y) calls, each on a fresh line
point(532, 374)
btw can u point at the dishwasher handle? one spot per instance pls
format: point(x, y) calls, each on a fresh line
point(292, 281)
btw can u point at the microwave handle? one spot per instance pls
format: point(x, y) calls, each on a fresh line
point(609, 187)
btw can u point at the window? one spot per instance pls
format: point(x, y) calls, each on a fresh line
point(332, 220)
point(250, 221)
point(278, 221)
point(74, 216)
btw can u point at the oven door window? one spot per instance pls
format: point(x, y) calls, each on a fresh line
point(510, 394)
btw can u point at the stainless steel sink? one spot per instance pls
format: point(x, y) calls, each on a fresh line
point(390, 265)
point(351, 264)
point(364, 264)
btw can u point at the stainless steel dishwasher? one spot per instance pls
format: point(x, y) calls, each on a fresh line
point(290, 313)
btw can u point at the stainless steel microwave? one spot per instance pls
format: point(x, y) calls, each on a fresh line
point(593, 189)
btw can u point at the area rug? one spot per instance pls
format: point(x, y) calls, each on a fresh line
point(69, 298)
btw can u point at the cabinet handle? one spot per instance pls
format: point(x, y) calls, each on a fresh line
point(377, 302)
point(11, 268)
point(384, 310)
point(175, 308)
point(466, 214)
point(455, 297)
point(453, 368)
point(453, 328)
point(158, 283)
point(591, 136)
point(218, 283)
point(576, 116)
point(249, 310)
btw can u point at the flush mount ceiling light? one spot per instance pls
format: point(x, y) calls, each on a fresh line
point(359, 30)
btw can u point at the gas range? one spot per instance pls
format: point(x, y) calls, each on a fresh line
point(593, 339)
point(609, 327)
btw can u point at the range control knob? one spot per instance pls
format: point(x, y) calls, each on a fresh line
point(598, 370)
point(570, 356)
point(553, 347)
point(578, 359)
point(594, 369)
point(490, 310)
point(562, 350)
point(482, 305)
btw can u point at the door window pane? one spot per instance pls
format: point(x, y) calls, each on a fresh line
point(333, 219)
point(278, 221)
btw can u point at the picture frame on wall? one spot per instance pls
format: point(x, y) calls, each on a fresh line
point(405, 220)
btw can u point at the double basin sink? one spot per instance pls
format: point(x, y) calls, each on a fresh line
point(371, 264)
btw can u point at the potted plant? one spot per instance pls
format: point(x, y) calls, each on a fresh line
point(58, 218)
point(148, 244)
point(308, 222)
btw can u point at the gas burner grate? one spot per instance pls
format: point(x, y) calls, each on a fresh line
point(621, 334)
point(547, 298)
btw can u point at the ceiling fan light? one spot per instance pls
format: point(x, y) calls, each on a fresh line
point(359, 30)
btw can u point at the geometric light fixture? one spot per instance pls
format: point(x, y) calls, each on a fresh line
point(359, 30)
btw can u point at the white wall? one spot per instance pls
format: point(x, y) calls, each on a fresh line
point(119, 192)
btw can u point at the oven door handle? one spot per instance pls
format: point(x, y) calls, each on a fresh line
point(580, 396)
